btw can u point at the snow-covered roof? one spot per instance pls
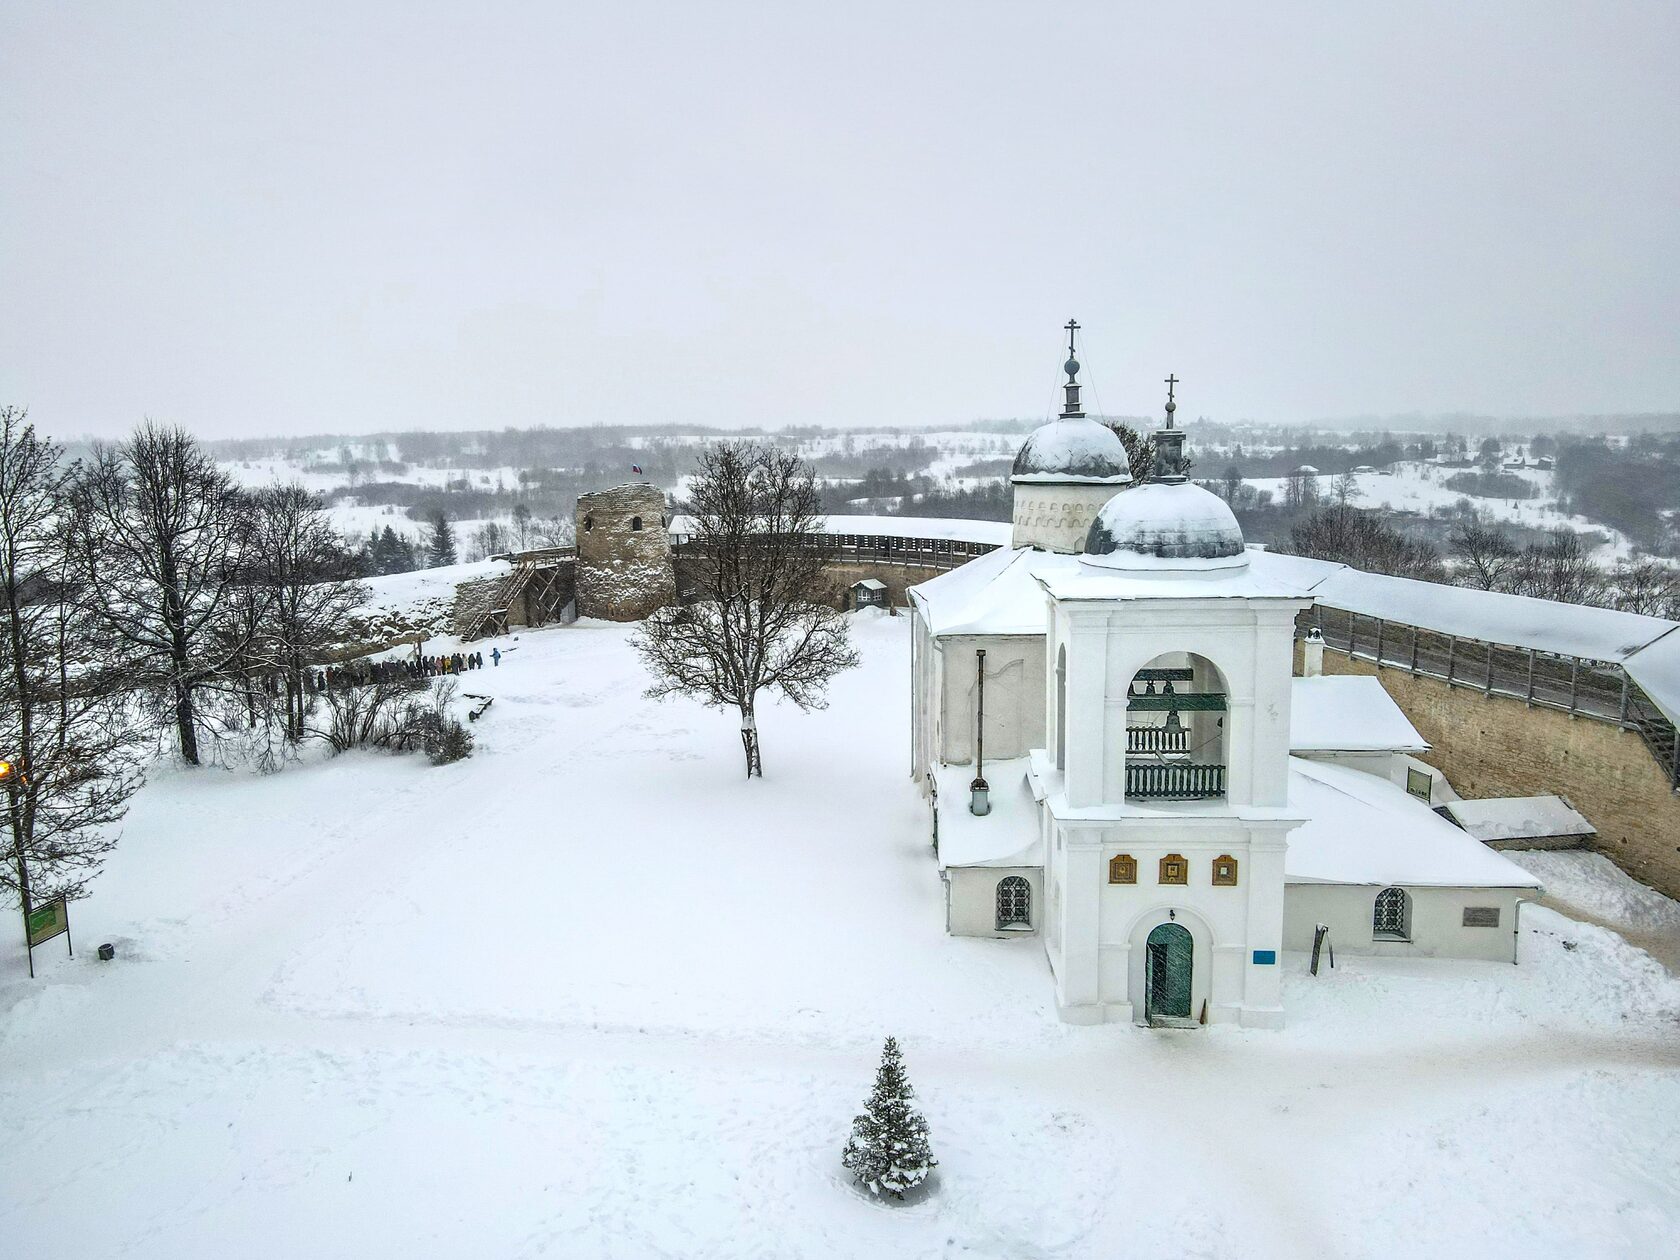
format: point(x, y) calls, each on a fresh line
point(1362, 829)
point(871, 584)
point(1154, 578)
point(1656, 668)
point(993, 594)
point(1647, 647)
point(1151, 524)
point(1074, 450)
point(1520, 818)
point(1348, 713)
point(1600, 634)
point(1008, 836)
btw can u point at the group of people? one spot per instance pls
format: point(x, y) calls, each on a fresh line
point(366, 672)
point(459, 663)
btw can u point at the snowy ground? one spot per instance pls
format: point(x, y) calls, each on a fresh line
point(591, 994)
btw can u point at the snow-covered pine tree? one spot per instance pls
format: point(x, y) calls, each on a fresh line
point(441, 549)
point(888, 1150)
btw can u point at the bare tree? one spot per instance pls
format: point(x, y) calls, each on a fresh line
point(1345, 489)
point(304, 580)
point(70, 751)
point(1300, 490)
point(761, 622)
point(1364, 541)
point(162, 541)
point(489, 539)
point(1484, 555)
point(1646, 586)
point(552, 531)
point(1559, 569)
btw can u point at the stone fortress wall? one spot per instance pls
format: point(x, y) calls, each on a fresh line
point(624, 566)
point(1493, 745)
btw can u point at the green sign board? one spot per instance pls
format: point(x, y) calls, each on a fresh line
point(47, 920)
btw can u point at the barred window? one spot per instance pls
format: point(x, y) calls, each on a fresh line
point(635, 522)
point(1392, 918)
point(1014, 902)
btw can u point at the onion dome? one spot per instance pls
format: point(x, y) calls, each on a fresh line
point(1165, 526)
point(1074, 450)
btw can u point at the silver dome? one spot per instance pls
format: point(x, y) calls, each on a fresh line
point(1165, 526)
point(1076, 449)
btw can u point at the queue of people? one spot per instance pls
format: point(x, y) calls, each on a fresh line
point(365, 672)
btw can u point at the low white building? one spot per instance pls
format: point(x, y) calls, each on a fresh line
point(1121, 765)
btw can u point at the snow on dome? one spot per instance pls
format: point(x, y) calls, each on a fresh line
point(1164, 525)
point(1074, 450)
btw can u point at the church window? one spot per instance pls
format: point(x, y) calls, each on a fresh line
point(1014, 903)
point(1224, 871)
point(635, 522)
point(1174, 869)
point(1392, 918)
point(1122, 869)
point(588, 523)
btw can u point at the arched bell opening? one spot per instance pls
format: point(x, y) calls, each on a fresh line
point(1177, 736)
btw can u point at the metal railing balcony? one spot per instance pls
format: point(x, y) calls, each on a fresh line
point(1148, 739)
point(1175, 781)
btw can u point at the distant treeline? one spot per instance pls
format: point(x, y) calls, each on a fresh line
point(1635, 488)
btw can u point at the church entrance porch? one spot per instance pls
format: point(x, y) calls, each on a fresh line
point(1168, 967)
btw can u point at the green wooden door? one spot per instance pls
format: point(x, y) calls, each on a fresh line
point(1170, 955)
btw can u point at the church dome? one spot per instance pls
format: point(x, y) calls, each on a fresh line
point(1075, 449)
point(1165, 525)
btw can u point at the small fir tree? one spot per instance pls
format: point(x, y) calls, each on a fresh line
point(441, 549)
point(888, 1150)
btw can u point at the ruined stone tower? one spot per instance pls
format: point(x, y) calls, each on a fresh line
point(624, 568)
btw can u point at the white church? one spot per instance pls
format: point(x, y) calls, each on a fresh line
point(1121, 764)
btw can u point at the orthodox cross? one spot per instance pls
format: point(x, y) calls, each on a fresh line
point(1072, 327)
point(1172, 384)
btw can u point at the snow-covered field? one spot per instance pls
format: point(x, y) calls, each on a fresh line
point(592, 994)
point(1420, 487)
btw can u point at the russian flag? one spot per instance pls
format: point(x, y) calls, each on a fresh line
point(636, 468)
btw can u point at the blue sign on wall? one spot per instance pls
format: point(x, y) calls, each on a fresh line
point(1265, 957)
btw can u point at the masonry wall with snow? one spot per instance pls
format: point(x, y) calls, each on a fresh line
point(624, 567)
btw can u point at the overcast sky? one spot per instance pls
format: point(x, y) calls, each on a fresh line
point(253, 218)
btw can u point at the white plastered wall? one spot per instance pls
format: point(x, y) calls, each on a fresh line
point(971, 893)
point(1098, 956)
point(1056, 516)
point(1014, 696)
point(1437, 921)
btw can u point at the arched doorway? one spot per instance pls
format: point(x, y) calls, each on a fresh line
point(1168, 965)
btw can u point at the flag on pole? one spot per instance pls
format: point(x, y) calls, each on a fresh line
point(636, 468)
